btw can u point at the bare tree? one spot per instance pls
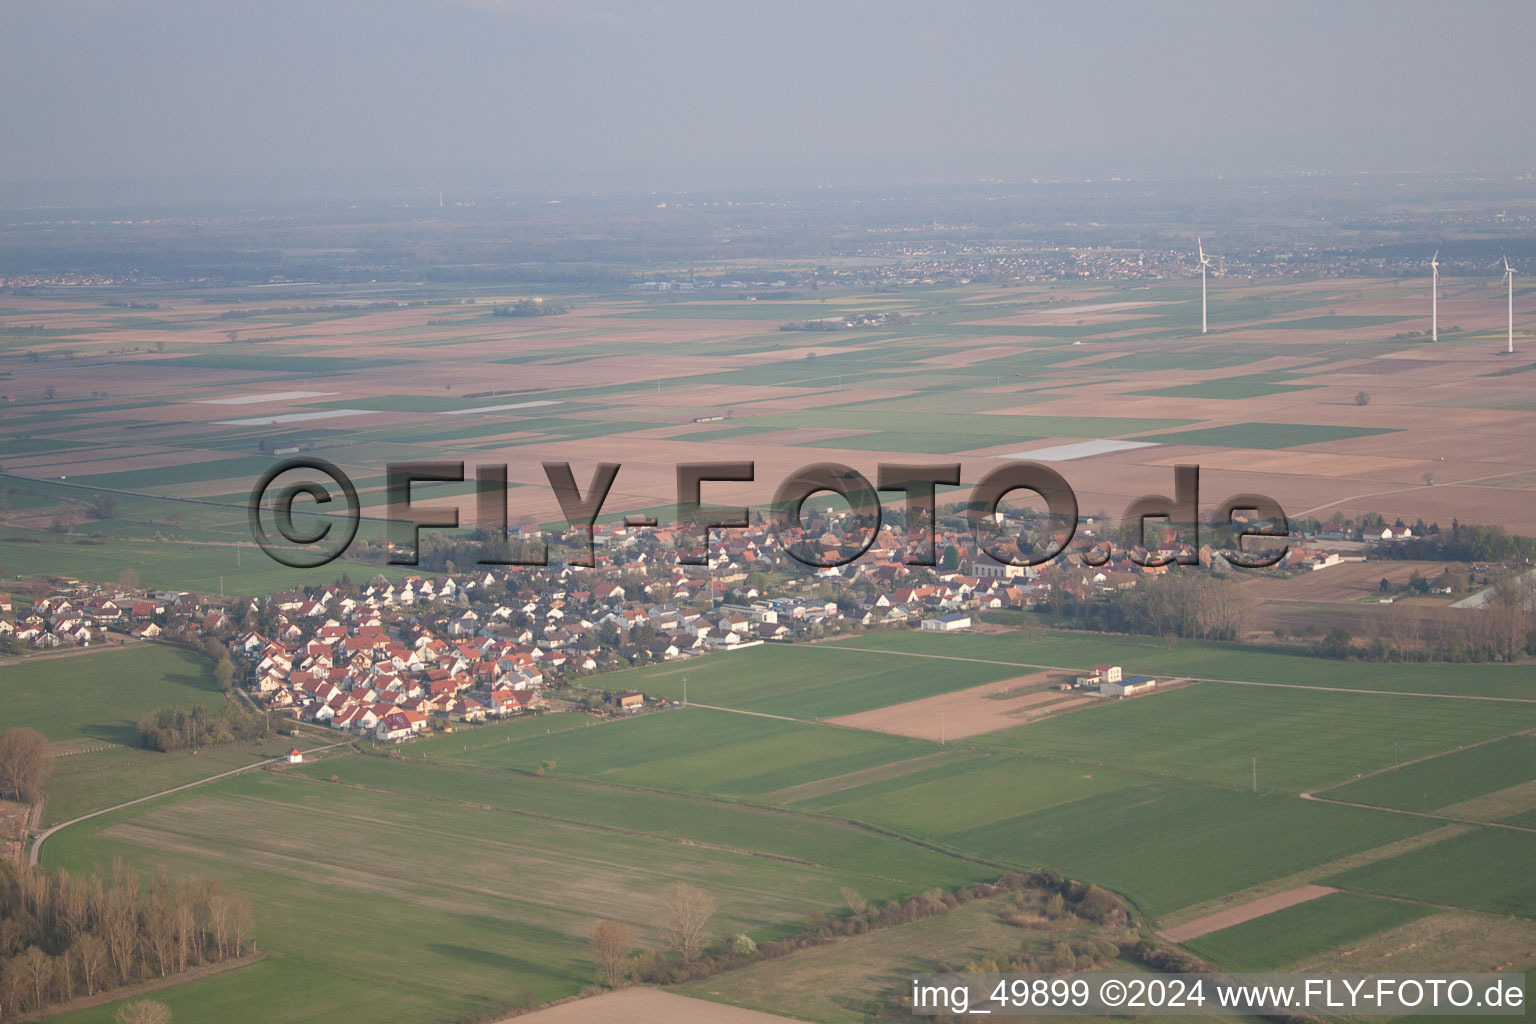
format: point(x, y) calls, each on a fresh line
point(142, 1011)
point(90, 953)
point(121, 934)
point(65, 516)
point(241, 917)
point(64, 976)
point(610, 949)
point(26, 761)
point(37, 972)
point(186, 926)
point(158, 923)
point(686, 929)
point(219, 913)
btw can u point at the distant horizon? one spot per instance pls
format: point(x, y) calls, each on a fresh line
point(173, 193)
point(168, 101)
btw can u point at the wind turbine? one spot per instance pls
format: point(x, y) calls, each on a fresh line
point(1434, 297)
point(1205, 261)
point(1509, 279)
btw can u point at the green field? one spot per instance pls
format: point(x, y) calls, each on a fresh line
point(809, 681)
point(1275, 941)
point(1485, 869)
point(465, 898)
point(1252, 385)
point(702, 751)
point(1264, 435)
point(1169, 845)
point(1441, 781)
point(1301, 739)
point(1196, 659)
point(100, 694)
point(90, 703)
point(934, 800)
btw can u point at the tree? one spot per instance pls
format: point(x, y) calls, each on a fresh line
point(90, 953)
point(158, 927)
point(65, 516)
point(686, 929)
point(128, 578)
point(950, 560)
point(610, 949)
point(143, 1011)
point(49, 392)
point(105, 506)
point(37, 972)
point(26, 761)
point(1362, 398)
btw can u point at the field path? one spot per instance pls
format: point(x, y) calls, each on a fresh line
point(648, 1006)
point(1399, 490)
point(37, 845)
point(1419, 814)
point(1247, 912)
point(754, 714)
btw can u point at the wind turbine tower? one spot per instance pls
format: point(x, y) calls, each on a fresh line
point(1434, 297)
point(1205, 261)
point(1509, 279)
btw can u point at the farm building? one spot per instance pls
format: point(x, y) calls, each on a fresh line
point(947, 623)
point(1128, 687)
point(295, 756)
point(630, 700)
point(1100, 674)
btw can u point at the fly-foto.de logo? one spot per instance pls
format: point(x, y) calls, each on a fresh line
point(306, 486)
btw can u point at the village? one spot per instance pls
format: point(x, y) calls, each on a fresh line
point(392, 659)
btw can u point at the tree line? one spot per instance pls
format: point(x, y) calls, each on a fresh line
point(1179, 603)
point(1465, 542)
point(63, 936)
point(172, 728)
point(1503, 629)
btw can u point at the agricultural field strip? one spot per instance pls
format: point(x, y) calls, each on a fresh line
point(1249, 911)
point(1193, 679)
point(1286, 883)
point(1396, 490)
point(37, 845)
point(578, 822)
point(671, 797)
point(1420, 814)
point(1420, 760)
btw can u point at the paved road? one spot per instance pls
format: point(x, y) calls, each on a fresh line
point(43, 837)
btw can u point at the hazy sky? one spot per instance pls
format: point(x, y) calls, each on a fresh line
point(107, 97)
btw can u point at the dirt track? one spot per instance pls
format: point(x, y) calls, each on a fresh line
point(647, 1006)
point(1247, 912)
point(965, 713)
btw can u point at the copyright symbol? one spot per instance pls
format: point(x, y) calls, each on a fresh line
point(1112, 993)
point(317, 543)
